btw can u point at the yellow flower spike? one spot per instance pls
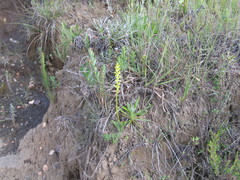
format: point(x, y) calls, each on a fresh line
point(117, 86)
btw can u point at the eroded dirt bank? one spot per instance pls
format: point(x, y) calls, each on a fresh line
point(65, 139)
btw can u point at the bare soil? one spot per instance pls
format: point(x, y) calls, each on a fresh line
point(58, 140)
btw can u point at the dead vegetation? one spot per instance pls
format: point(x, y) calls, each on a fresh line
point(182, 67)
point(151, 92)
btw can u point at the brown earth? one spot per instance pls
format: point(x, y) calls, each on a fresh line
point(60, 141)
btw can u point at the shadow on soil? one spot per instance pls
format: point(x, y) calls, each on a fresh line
point(17, 113)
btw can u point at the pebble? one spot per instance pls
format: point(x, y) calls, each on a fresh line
point(37, 102)
point(45, 167)
point(51, 152)
point(31, 102)
point(20, 107)
point(31, 86)
point(44, 124)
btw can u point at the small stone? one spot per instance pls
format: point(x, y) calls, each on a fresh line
point(45, 167)
point(20, 107)
point(51, 152)
point(31, 102)
point(40, 148)
point(31, 86)
point(44, 124)
point(13, 41)
point(37, 102)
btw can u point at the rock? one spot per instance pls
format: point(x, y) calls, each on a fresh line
point(13, 40)
point(45, 167)
point(51, 152)
point(31, 86)
point(44, 124)
point(31, 102)
point(36, 102)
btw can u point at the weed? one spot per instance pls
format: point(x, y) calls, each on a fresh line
point(45, 79)
point(164, 177)
point(47, 82)
point(120, 125)
point(90, 70)
point(131, 112)
point(195, 140)
point(233, 169)
point(184, 5)
point(102, 78)
point(93, 75)
point(111, 137)
point(67, 35)
point(53, 82)
point(122, 59)
point(50, 10)
point(114, 137)
point(219, 165)
point(43, 28)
